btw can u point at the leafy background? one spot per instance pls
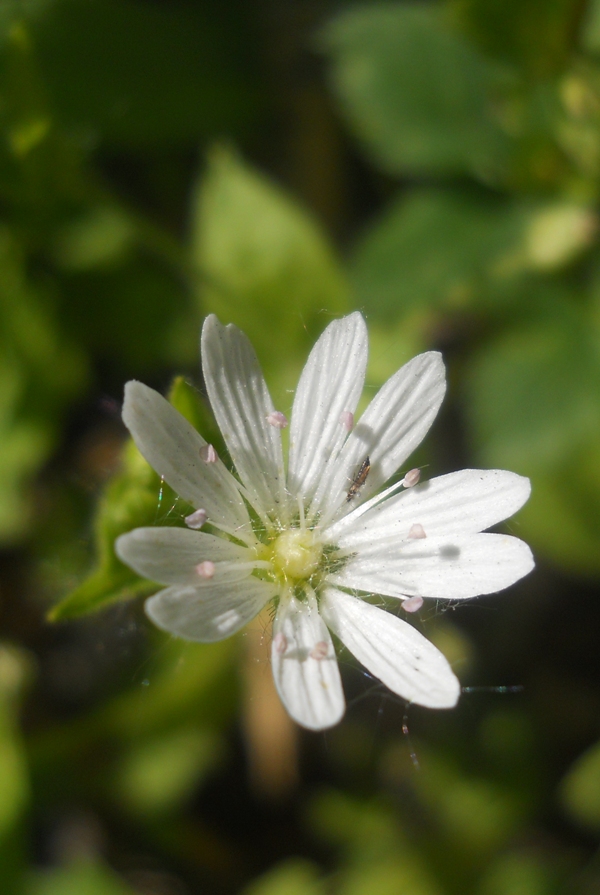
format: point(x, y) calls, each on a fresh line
point(436, 165)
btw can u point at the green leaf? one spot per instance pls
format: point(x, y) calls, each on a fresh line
point(590, 33)
point(532, 406)
point(265, 264)
point(533, 392)
point(523, 872)
point(292, 877)
point(562, 518)
point(14, 775)
point(436, 248)
point(135, 497)
point(580, 789)
point(156, 776)
point(414, 92)
point(39, 373)
point(82, 877)
point(536, 35)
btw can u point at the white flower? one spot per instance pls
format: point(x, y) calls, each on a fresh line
point(319, 540)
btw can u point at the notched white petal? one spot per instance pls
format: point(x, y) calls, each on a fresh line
point(463, 502)
point(172, 555)
point(211, 612)
point(392, 650)
point(392, 426)
point(244, 411)
point(453, 568)
point(305, 667)
point(326, 397)
point(172, 447)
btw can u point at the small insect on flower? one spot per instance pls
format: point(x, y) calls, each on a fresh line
point(359, 479)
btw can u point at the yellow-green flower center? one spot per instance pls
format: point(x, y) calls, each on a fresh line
point(296, 554)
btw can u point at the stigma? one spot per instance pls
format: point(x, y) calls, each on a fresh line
point(296, 553)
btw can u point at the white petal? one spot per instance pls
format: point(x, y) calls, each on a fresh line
point(459, 503)
point(172, 447)
point(210, 612)
point(241, 404)
point(170, 555)
point(452, 568)
point(330, 386)
point(392, 650)
point(392, 426)
point(305, 667)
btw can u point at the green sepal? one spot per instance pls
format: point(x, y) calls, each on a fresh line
point(135, 497)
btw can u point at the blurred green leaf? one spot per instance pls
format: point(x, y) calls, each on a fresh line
point(476, 814)
point(590, 33)
point(98, 238)
point(379, 857)
point(135, 497)
point(533, 392)
point(562, 518)
point(132, 498)
point(39, 372)
point(414, 91)
point(537, 35)
point(82, 877)
point(157, 776)
point(170, 74)
point(580, 789)
point(292, 877)
point(390, 877)
point(14, 776)
point(436, 248)
point(521, 873)
point(451, 249)
point(265, 264)
point(533, 407)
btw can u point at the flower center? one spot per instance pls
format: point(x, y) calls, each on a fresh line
point(296, 553)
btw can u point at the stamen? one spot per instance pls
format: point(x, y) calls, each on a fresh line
point(301, 515)
point(413, 604)
point(206, 569)
point(347, 420)
point(280, 642)
point(411, 478)
point(417, 531)
point(277, 419)
point(208, 454)
point(319, 650)
point(196, 519)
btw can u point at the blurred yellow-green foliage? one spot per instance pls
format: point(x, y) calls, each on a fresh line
point(434, 164)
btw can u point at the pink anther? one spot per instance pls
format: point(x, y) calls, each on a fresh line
point(277, 419)
point(417, 531)
point(205, 569)
point(319, 650)
point(413, 604)
point(347, 420)
point(280, 642)
point(411, 478)
point(208, 454)
point(196, 519)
